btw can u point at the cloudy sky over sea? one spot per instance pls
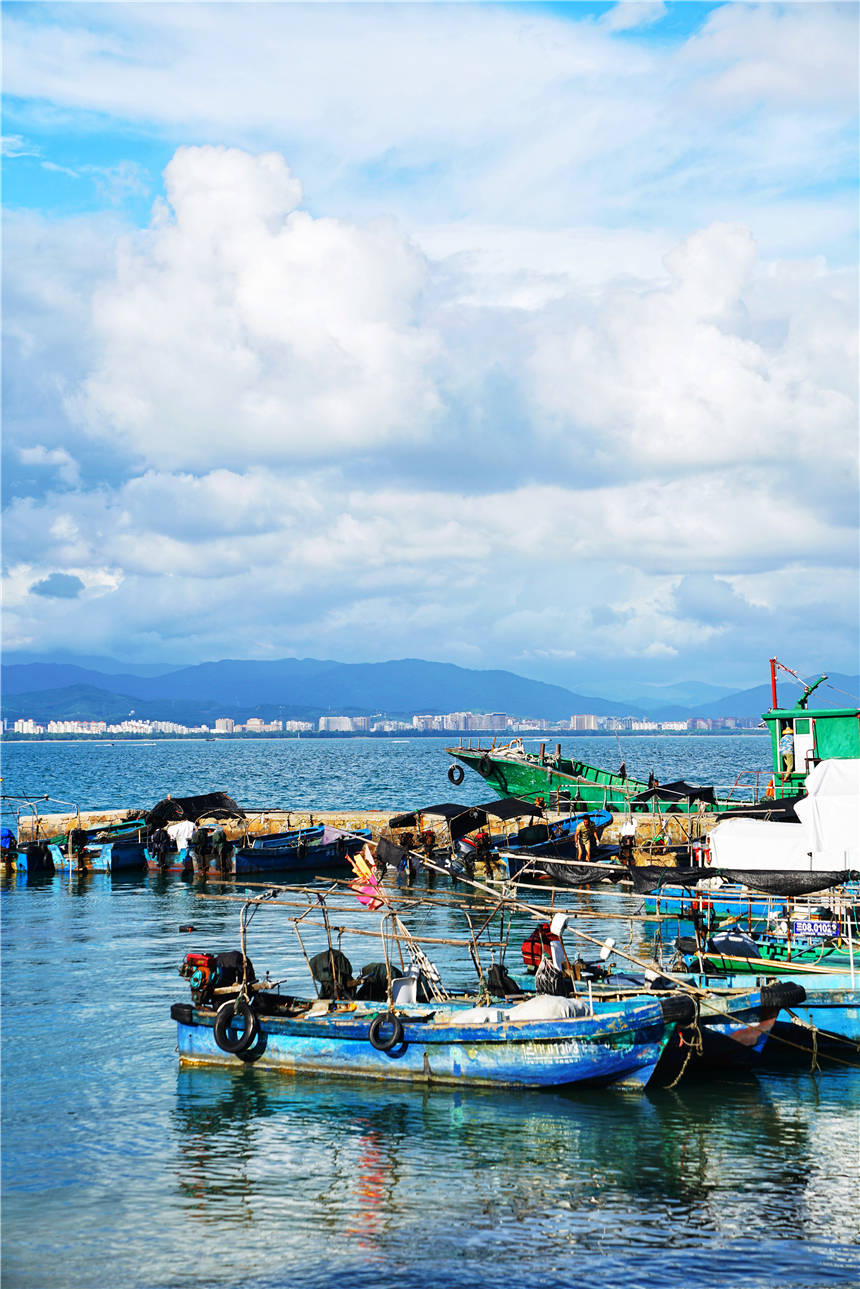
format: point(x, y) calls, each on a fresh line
point(513, 336)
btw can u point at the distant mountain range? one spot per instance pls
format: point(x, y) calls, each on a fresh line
point(306, 688)
point(300, 688)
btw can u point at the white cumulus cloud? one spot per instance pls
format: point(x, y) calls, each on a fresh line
point(242, 327)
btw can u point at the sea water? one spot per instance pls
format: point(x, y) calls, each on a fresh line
point(121, 1169)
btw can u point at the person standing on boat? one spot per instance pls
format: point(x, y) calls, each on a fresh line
point(200, 848)
point(586, 839)
point(483, 850)
point(159, 845)
point(221, 848)
point(786, 750)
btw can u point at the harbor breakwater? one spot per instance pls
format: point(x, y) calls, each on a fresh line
point(674, 828)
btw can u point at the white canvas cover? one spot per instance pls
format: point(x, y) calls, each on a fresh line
point(759, 843)
point(831, 811)
point(827, 838)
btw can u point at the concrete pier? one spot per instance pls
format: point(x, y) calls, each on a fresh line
point(674, 828)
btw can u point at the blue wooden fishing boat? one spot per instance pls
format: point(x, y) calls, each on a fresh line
point(278, 852)
point(283, 840)
point(176, 861)
point(502, 1046)
point(826, 1022)
point(538, 845)
point(543, 1041)
point(111, 857)
point(727, 900)
point(320, 849)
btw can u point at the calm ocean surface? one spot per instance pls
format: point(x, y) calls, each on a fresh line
point(119, 1169)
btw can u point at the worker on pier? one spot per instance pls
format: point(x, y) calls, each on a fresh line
point(586, 839)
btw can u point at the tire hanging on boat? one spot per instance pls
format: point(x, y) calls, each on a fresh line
point(386, 1043)
point(484, 765)
point(225, 1036)
point(456, 774)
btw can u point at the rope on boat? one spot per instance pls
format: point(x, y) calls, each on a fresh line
point(694, 1046)
point(696, 992)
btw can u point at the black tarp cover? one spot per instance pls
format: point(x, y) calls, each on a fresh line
point(388, 853)
point(447, 810)
point(783, 882)
point(464, 819)
point(570, 874)
point(215, 805)
point(780, 810)
point(677, 791)
point(510, 808)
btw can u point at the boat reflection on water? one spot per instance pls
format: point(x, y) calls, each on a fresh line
point(378, 1166)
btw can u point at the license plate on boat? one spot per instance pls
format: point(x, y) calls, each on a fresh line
point(825, 929)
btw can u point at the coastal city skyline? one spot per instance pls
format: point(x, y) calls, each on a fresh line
point(539, 355)
point(453, 722)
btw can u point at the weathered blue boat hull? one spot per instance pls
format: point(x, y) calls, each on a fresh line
point(682, 900)
point(622, 1049)
point(828, 1020)
point(112, 857)
point(176, 860)
point(730, 1031)
point(833, 1011)
point(284, 840)
point(308, 855)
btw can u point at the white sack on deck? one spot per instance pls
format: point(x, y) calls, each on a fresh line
point(548, 1007)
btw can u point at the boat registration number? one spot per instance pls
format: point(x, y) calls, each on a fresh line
point(827, 929)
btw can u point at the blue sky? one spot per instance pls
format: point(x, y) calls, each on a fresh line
point(507, 335)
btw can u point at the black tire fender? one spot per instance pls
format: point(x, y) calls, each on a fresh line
point(384, 1043)
point(225, 1037)
point(680, 1008)
point(484, 765)
point(456, 774)
point(786, 993)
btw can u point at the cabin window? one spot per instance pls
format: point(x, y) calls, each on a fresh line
point(801, 727)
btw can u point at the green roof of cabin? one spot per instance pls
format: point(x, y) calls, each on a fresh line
point(789, 713)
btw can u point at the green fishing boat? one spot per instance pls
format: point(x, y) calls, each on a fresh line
point(800, 736)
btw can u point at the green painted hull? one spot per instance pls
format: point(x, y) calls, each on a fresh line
point(575, 780)
point(817, 733)
point(777, 962)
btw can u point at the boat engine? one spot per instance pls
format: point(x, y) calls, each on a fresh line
point(203, 974)
point(206, 972)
